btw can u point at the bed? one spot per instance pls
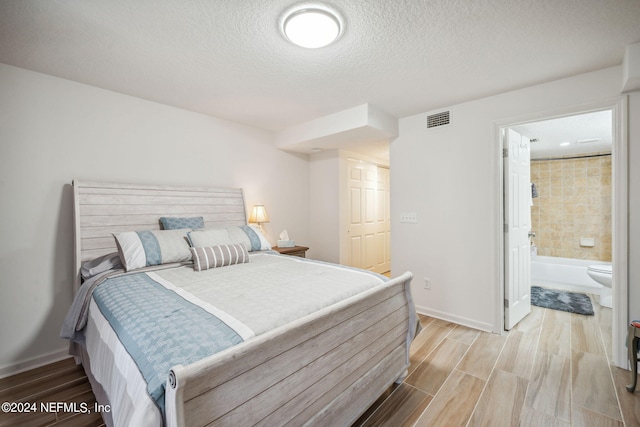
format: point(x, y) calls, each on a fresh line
point(288, 359)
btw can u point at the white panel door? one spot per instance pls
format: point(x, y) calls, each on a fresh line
point(369, 225)
point(517, 207)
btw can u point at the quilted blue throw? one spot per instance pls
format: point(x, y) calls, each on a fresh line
point(159, 328)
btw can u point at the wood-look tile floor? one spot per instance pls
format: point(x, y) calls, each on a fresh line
point(551, 370)
point(54, 385)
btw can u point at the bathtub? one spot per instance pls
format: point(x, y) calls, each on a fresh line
point(564, 273)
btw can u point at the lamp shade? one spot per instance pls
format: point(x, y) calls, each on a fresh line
point(258, 214)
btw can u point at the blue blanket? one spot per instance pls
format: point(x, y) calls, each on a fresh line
point(160, 329)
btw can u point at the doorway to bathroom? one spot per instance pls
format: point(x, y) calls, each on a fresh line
point(571, 203)
point(577, 204)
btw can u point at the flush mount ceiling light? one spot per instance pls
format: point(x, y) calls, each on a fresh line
point(311, 26)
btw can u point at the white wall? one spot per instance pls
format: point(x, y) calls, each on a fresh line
point(449, 176)
point(53, 131)
point(324, 220)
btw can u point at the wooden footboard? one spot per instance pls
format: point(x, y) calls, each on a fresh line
point(325, 369)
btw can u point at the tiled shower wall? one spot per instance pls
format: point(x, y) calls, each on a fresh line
point(574, 201)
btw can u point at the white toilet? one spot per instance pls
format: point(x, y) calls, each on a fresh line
point(603, 274)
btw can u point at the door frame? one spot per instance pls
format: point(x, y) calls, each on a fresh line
point(619, 217)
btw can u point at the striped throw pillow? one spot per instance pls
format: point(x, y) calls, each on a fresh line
point(218, 256)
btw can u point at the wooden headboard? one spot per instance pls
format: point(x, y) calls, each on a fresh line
point(103, 208)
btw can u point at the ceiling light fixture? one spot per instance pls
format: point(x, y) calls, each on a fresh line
point(311, 26)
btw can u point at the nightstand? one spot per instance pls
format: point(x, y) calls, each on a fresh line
point(293, 251)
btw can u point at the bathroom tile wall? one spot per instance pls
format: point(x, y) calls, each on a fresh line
point(574, 201)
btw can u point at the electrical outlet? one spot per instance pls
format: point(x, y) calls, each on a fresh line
point(427, 283)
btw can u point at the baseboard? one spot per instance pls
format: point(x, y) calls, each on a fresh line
point(486, 327)
point(36, 362)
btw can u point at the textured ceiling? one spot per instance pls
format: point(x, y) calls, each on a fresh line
point(227, 58)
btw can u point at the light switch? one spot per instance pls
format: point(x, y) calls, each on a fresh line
point(411, 217)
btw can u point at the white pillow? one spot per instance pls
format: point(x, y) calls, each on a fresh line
point(264, 243)
point(248, 235)
point(143, 248)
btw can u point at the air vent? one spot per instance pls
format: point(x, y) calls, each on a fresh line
point(439, 119)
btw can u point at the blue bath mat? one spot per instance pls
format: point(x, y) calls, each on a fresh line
point(560, 300)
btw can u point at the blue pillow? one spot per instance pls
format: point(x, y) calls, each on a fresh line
point(169, 223)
